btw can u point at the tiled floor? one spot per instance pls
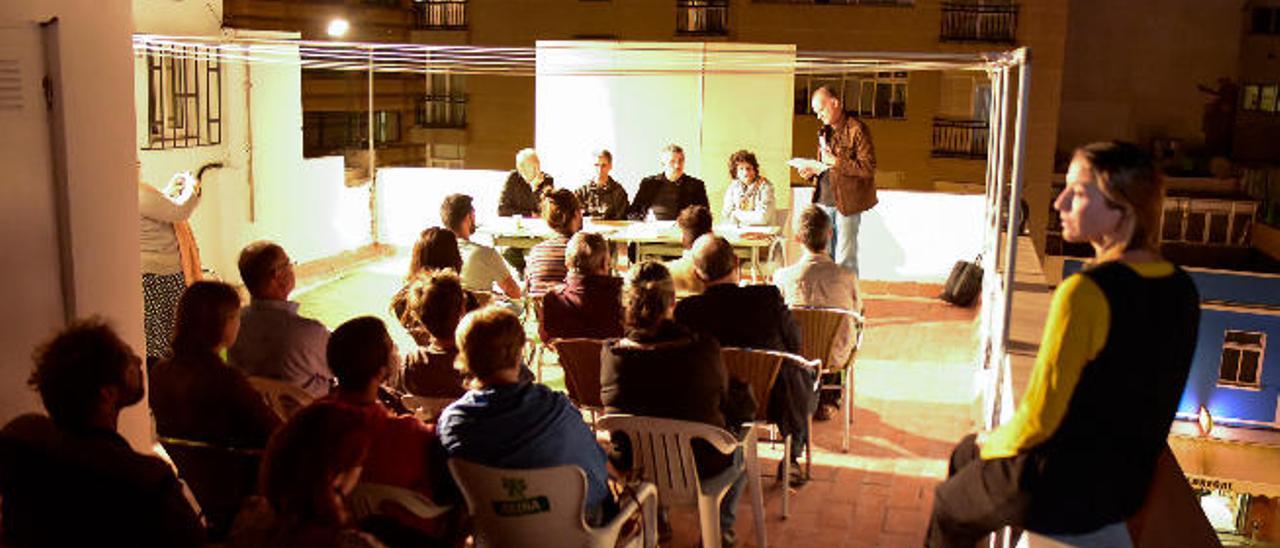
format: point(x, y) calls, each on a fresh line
point(913, 401)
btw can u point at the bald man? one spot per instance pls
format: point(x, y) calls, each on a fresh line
point(847, 187)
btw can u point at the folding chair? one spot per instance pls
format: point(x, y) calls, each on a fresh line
point(821, 329)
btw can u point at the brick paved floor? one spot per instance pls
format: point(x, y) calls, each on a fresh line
point(913, 401)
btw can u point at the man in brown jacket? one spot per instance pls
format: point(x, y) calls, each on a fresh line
point(848, 186)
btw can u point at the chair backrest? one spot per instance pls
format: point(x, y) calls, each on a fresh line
point(283, 398)
point(758, 368)
point(425, 408)
point(661, 451)
point(538, 507)
point(373, 499)
point(580, 359)
point(219, 477)
point(819, 329)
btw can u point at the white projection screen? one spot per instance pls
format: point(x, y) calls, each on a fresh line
point(633, 98)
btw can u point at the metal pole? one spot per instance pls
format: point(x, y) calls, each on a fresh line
point(1015, 197)
point(373, 160)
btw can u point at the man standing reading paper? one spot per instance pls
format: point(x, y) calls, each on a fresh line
point(846, 179)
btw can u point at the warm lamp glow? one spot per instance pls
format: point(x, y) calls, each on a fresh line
point(338, 28)
point(1204, 421)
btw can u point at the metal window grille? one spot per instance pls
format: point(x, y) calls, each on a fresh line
point(954, 138)
point(841, 2)
point(1241, 364)
point(1207, 221)
point(442, 110)
point(869, 95)
point(184, 97)
point(702, 17)
point(969, 22)
point(440, 14)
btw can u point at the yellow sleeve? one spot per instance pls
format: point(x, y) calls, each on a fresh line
point(1074, 333)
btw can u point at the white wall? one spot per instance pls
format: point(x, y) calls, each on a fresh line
point(409, 198)
point(913, 236)
point(96, 80)
point(635, 98)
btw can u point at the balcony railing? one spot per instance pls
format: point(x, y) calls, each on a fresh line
point(960, 138)
point(440, 15)
point(702, 17)
point(963, 22)
point(442, 111)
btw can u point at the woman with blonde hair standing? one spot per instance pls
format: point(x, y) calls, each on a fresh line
point(1080, 451)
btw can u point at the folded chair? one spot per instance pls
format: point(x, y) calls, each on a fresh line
point(544, 507)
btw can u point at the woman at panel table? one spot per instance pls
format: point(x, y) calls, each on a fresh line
point(749, 198)
point(1080, 451)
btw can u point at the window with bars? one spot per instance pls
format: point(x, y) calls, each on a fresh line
point(325, 133)
point(1265, 20)
point(440, 14)
point(1242, 353)
point(702, 17)
point(841, 2)
point(184, 98)
point(869, 95)
point(1260, 98)
point(445, 103)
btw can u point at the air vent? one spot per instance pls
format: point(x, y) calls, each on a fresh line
point(10, 86)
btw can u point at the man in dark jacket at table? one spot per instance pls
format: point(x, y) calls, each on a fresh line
point(753, 316)
point(668, 193)
point(522, 194)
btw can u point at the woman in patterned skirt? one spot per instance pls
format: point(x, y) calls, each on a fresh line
point(164, 214)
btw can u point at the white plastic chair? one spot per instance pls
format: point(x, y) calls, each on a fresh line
point(544, 507)
point(661, 450)
point(369, 499)
point(819, 329)
point(283, 398)
point(425, 408)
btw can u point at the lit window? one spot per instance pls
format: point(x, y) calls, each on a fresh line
point(184, 97)
point(1242, 359)
point(878, 95)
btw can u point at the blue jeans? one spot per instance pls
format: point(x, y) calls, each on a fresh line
point(729, 504)
point(844, 239)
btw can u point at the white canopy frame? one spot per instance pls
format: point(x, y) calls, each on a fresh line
point(1005, 154)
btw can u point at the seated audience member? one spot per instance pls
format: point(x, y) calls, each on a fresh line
point(436, 249)
point(438, 302)
point(602, 197)
point(522, 194)
point(526, 187)
point(749, 198)
point(753, 316)
point(1080, 450)
point(546, 260)
point(668, 193)
point(637, 372)
point(194, 394)
point(274, 341)
point(508, 423)
point(589, 304)
point(482, 267)
point(403, 451)
point(311, 464)
point(694, 221)
point(68, 479)
point(816, 280)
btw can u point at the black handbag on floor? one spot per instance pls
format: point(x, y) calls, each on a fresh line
point(964, 284)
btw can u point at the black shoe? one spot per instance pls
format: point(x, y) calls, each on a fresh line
point(797, 478)
point(825, 412)
point(728, 539)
